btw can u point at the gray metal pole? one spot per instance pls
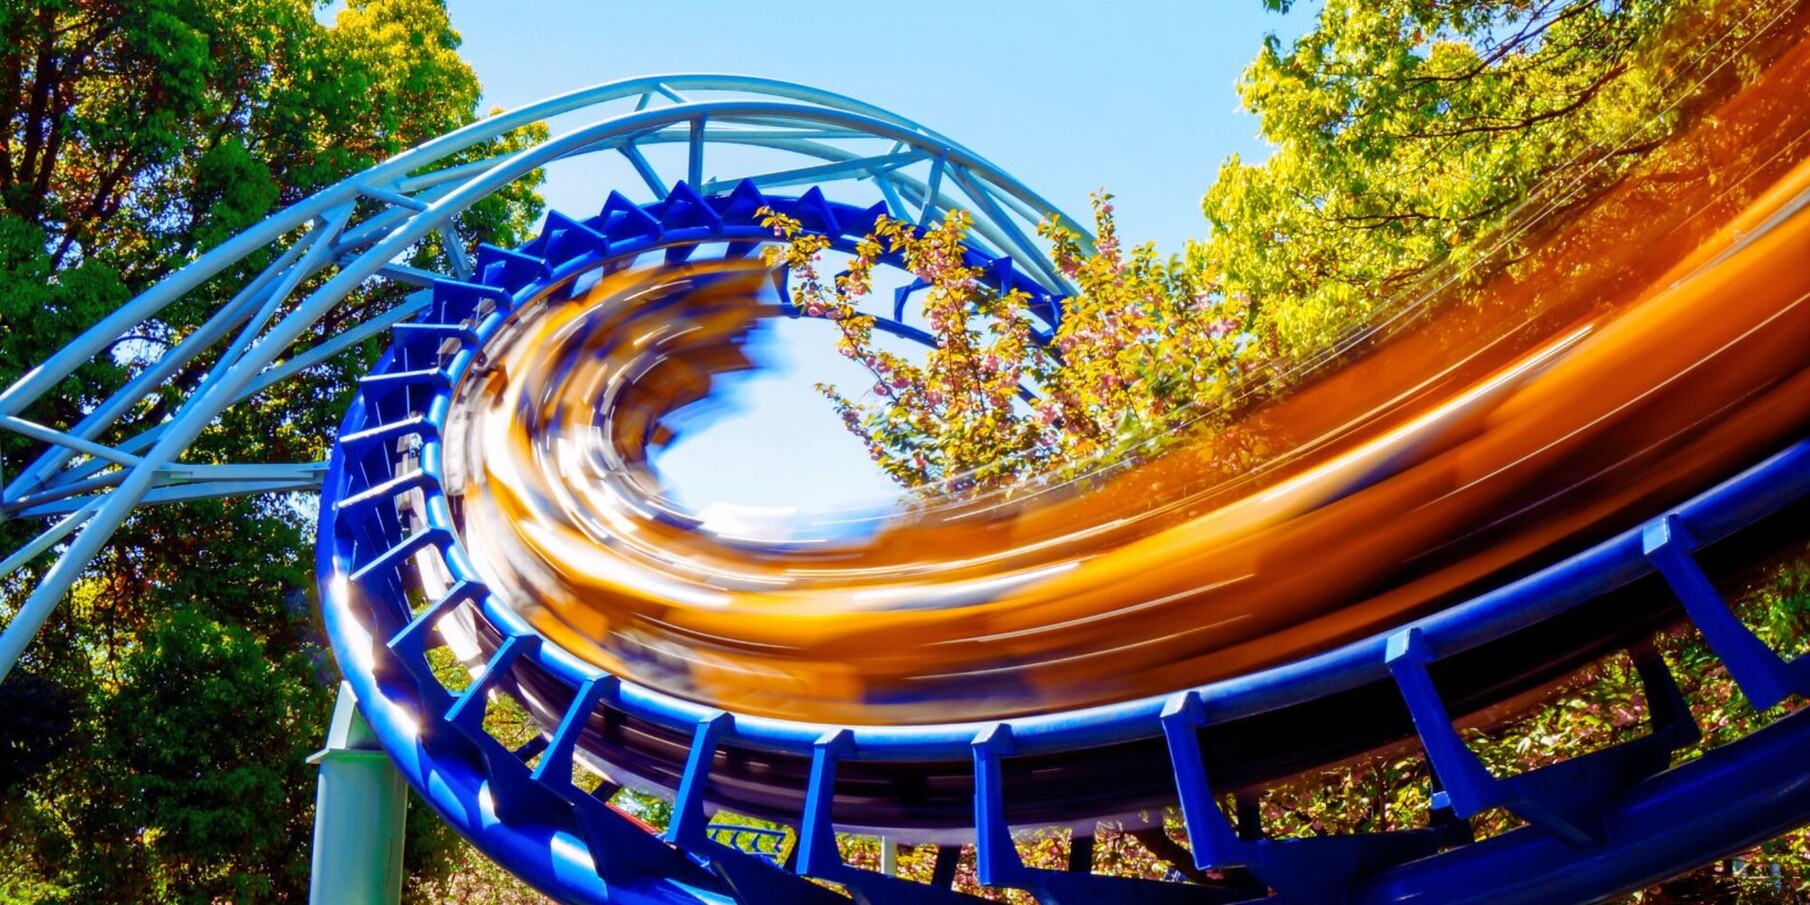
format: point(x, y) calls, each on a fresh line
point(358, 815)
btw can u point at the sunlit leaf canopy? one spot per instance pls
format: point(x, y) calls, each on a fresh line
point(284, 115)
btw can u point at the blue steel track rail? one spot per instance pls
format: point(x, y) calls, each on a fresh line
point(291, 315)
point(1599, 823)
point(1606, 822)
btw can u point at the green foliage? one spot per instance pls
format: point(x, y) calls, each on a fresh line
point(185, 779)
point(1419, 147)
point(36, 717)
point(1409, 135)
point(213, 734)
point(188, 659)
point(1138, 349)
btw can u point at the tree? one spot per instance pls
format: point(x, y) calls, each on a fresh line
point(1424, 153)
point(138, 134)
point(1409, 135)
point(1140, 348)
point(1421, 149)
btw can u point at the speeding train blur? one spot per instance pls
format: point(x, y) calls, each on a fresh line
point(1651, 342)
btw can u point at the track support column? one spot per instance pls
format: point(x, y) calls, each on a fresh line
point(358, 815)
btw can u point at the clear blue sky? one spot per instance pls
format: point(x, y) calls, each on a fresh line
point(1069, 96)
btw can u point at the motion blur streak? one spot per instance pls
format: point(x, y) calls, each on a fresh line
point(1653, 342)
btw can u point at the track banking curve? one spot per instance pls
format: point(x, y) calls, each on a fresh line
point(1521, 461)
point(1490, 484)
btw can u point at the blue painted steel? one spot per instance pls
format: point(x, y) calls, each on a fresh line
point(1763, 676)
point(1565, 798)
point(996, 860)
point(358, 540)
point(1755, 493)
point(818, 855)
point(688, 829)
point(1731, 799)
point(364, 552)
point(758, 841)
point(1313, 869)
point(418, 200)
point(1599, 823)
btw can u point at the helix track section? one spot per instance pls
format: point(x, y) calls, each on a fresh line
point(1594, 810)
point(396, 585)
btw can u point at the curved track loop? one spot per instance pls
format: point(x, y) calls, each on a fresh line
point(373, 549)
point(390, 528)
point(290, 317)
point(396, 581)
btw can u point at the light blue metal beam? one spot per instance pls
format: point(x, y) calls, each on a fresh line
point(694, 159)
point(44, 434)
point(83, 349)
point(894, 203)
point(410, 276)
point(644, 169)
point(316, 257)
point(181, 493)
point(48, 538)
point(404, 184)
point(392, 197)
point(153, 376)
point(366, 188)
point(272, 471)
point(987, 203)
point(346, 339)
point(454, 248)
point(311, 357)
point(65, 497)
point(933, 190)
point(307, 255)
point(825, 172)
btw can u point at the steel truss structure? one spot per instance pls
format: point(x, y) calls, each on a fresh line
point(1596, 824)
point(360, 230)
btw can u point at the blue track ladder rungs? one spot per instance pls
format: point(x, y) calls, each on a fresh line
point(759, 841)
point(1763, 676)
point(998, 864)
point(1565, 798)
point(1313, 869)
point(818, 854)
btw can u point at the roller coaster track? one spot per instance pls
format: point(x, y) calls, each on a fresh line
point(397, 580)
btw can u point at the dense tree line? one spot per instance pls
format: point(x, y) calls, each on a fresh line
point(1426, 154)
point(1422, 153)
point(153, 743)
point(155, 736)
